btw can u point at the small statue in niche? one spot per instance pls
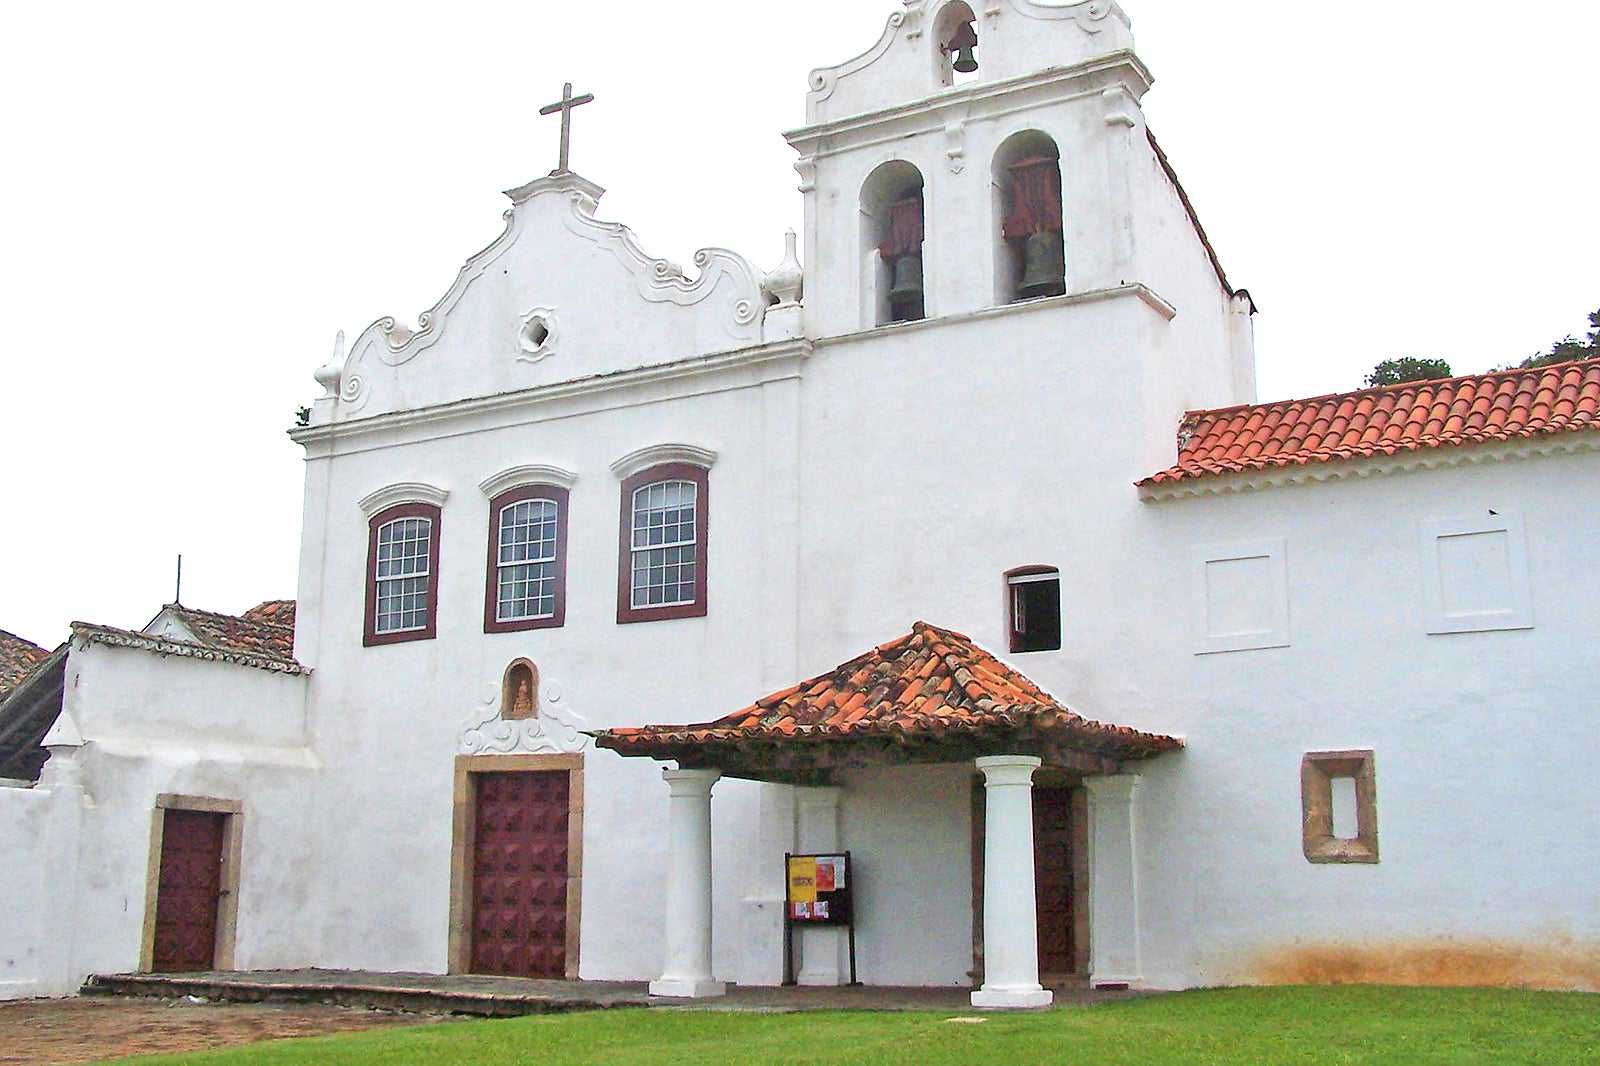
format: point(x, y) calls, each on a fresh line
point(520, 693)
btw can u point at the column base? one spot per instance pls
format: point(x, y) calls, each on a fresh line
point(1012, 998)
point(688, 988)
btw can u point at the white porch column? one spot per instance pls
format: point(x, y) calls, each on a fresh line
point(688, 904)
point(1113, 881)
point(1010, 914)
point(822, 951)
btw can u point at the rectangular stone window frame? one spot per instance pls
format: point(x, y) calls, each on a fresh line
point(227, 905)
point(1318, 771)
point(1276, 633)
point(1518, 614)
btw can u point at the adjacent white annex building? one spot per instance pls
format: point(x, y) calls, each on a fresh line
point(1143, 683)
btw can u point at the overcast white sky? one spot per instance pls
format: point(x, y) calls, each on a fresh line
point(196, 196)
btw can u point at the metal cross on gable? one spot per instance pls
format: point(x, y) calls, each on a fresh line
point(565, 106)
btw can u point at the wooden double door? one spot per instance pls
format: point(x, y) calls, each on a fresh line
point(519, 874)
point(1060, 821)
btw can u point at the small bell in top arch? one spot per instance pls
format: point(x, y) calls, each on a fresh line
point(963, 43)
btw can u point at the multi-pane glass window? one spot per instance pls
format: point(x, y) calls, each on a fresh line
point(402, 573)
point(663, 544)
point(526, 588)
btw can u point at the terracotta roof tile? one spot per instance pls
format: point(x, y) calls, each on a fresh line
point(18, 658)
point(1507, 405)
point(929, 683)
point(266, 629)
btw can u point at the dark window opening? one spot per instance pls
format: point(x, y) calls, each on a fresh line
point(1035, 608)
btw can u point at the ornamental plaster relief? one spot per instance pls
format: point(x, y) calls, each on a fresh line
point(555, 729)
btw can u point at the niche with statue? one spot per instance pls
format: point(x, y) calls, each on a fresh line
point(519, 693)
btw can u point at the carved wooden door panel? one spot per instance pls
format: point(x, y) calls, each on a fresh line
point(519, 875)
point(1052, 863)
point(188, 890)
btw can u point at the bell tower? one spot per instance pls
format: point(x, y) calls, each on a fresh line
point(983, 152)
point(994, 152)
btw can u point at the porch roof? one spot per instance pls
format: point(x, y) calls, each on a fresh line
point(930, 696)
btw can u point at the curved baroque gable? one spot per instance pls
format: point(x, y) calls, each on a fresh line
point(493, 331)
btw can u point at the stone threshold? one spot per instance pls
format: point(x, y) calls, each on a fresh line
point(483, 997)
point(509, 997)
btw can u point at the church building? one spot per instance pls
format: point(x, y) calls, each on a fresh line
point(961, 560)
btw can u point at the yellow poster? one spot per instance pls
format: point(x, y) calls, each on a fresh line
point(802, 882)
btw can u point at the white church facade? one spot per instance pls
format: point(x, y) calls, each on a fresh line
point(1100, 670)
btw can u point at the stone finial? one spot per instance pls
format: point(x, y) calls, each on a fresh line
point(328, 373)
point(786, 282)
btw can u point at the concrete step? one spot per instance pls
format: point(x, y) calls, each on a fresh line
point(419, 994)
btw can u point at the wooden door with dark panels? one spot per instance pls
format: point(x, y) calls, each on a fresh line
point(188, 891)
point(1052, 863)
point(519, 874)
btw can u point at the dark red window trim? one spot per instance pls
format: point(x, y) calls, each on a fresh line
point(1013, 638)
point(371, 637)
point(491, 593)
point(700, 476)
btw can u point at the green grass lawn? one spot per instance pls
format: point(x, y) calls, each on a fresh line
point(1245, 1026)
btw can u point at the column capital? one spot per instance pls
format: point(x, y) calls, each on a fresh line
point(1008, 769)
point(690, 782)
point(1118, 789)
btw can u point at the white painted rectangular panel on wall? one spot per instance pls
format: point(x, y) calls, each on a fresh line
point(1475, 574)
point(1241, 597)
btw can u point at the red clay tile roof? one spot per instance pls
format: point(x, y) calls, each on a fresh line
point(273, 612)
point(18, 658)
point(240, 655)
point(928, 684)
point(1502, 406)
point(267, 629)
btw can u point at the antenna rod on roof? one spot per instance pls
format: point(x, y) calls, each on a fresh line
point(177, 593)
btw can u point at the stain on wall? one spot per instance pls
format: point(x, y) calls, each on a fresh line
point(1556, 962)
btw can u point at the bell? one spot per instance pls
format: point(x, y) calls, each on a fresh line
point(907, 287)
point(963, 43)
point(1044, 266)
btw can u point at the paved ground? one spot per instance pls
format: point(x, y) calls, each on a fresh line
point(507, 996)
point(41, 1032)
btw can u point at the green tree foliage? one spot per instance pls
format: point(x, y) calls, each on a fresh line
point(1566, 350)
point(1409, 368)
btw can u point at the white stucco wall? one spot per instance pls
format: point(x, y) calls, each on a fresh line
point(154, 725)
point(28, 966)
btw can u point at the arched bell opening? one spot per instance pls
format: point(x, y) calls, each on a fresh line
point(519, 692)
point(892, 228)
point(955, 40)
point(1030, 243)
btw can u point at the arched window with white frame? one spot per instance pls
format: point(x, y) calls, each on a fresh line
point(662, 563)
point(527, 566)
point(402, 574)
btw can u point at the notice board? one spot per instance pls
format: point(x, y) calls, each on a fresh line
point(819, 890)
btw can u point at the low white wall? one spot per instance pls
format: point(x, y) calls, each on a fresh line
point(39, 846)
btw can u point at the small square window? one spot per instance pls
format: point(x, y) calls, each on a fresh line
point(1034, 606)
point(1339, 807)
